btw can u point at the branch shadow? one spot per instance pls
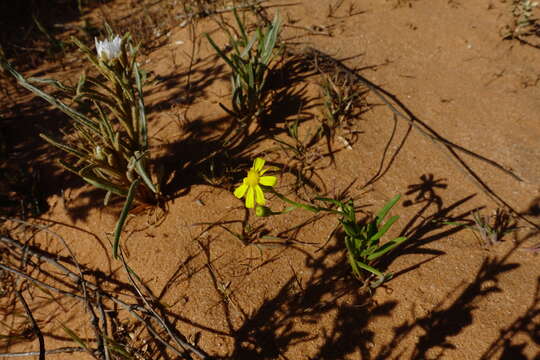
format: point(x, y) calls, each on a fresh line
point(525, 326)
point(446, 321)
point(275, 326)
point(430, 223)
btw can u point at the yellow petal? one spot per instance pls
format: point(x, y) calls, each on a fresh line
point(250, 198)
point(240, 191)
point(268, 180)
point(259, 195)
point(258, 164)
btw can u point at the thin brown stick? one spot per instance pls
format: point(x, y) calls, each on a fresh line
point(105, 331)
point(128, 307)
point(161, 321)
point(47, 352)
point(35, 327)
point(93, 319)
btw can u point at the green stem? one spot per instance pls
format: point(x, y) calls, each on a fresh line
point(314, 209)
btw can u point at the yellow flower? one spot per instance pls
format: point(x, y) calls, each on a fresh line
point(251, 186)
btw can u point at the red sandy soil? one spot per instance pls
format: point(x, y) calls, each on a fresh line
point(289, 294)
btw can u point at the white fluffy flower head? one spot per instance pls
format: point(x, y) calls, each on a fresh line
point(109, 49)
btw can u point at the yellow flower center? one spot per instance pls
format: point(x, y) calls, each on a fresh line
point(252, 178)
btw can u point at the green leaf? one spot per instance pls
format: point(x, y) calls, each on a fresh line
point(52, 82)
point(86, 174)
point(248, 47)
point(354, 266)
point(143, 126)
point(64, 147)
point(113, 346)
point(389, 205)
point(384, 229)
point(74, 114)
point(240, 24)
point(123, 216)
point(220, 53)
point(386, 248)
point(75, 337)
point(369, 268)
point(139, 168)
point(271, 39)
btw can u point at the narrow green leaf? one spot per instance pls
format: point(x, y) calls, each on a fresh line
point(140, 169)
point(385, 228)
point(74, 114)
point(386, 248)
point(240, 25)
point(64, 147)
point(80, 84)
point(143, 126)
point(100, 183)
point(75, 337)
point(105, 125)
point(220, 53)
point(123, 216)
point(271, 39)
point(248, 47)
point(369, 268)
point(52, 82)
point(350, 229)
point(389, 205)
point(354, 266)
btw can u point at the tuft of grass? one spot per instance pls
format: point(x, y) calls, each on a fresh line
point(248, 59)
point(342, 102)
point(491, 230)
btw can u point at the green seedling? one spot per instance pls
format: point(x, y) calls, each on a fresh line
point(248, 59)
point(363, 239)
point(489, 230)
point(493, 233)
point(109, 145)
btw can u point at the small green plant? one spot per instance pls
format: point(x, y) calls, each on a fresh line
point(109, 146)
point(248, 59)
point(490, 230)
point(362, 240)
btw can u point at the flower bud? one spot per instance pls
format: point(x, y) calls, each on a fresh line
point(263, 211)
